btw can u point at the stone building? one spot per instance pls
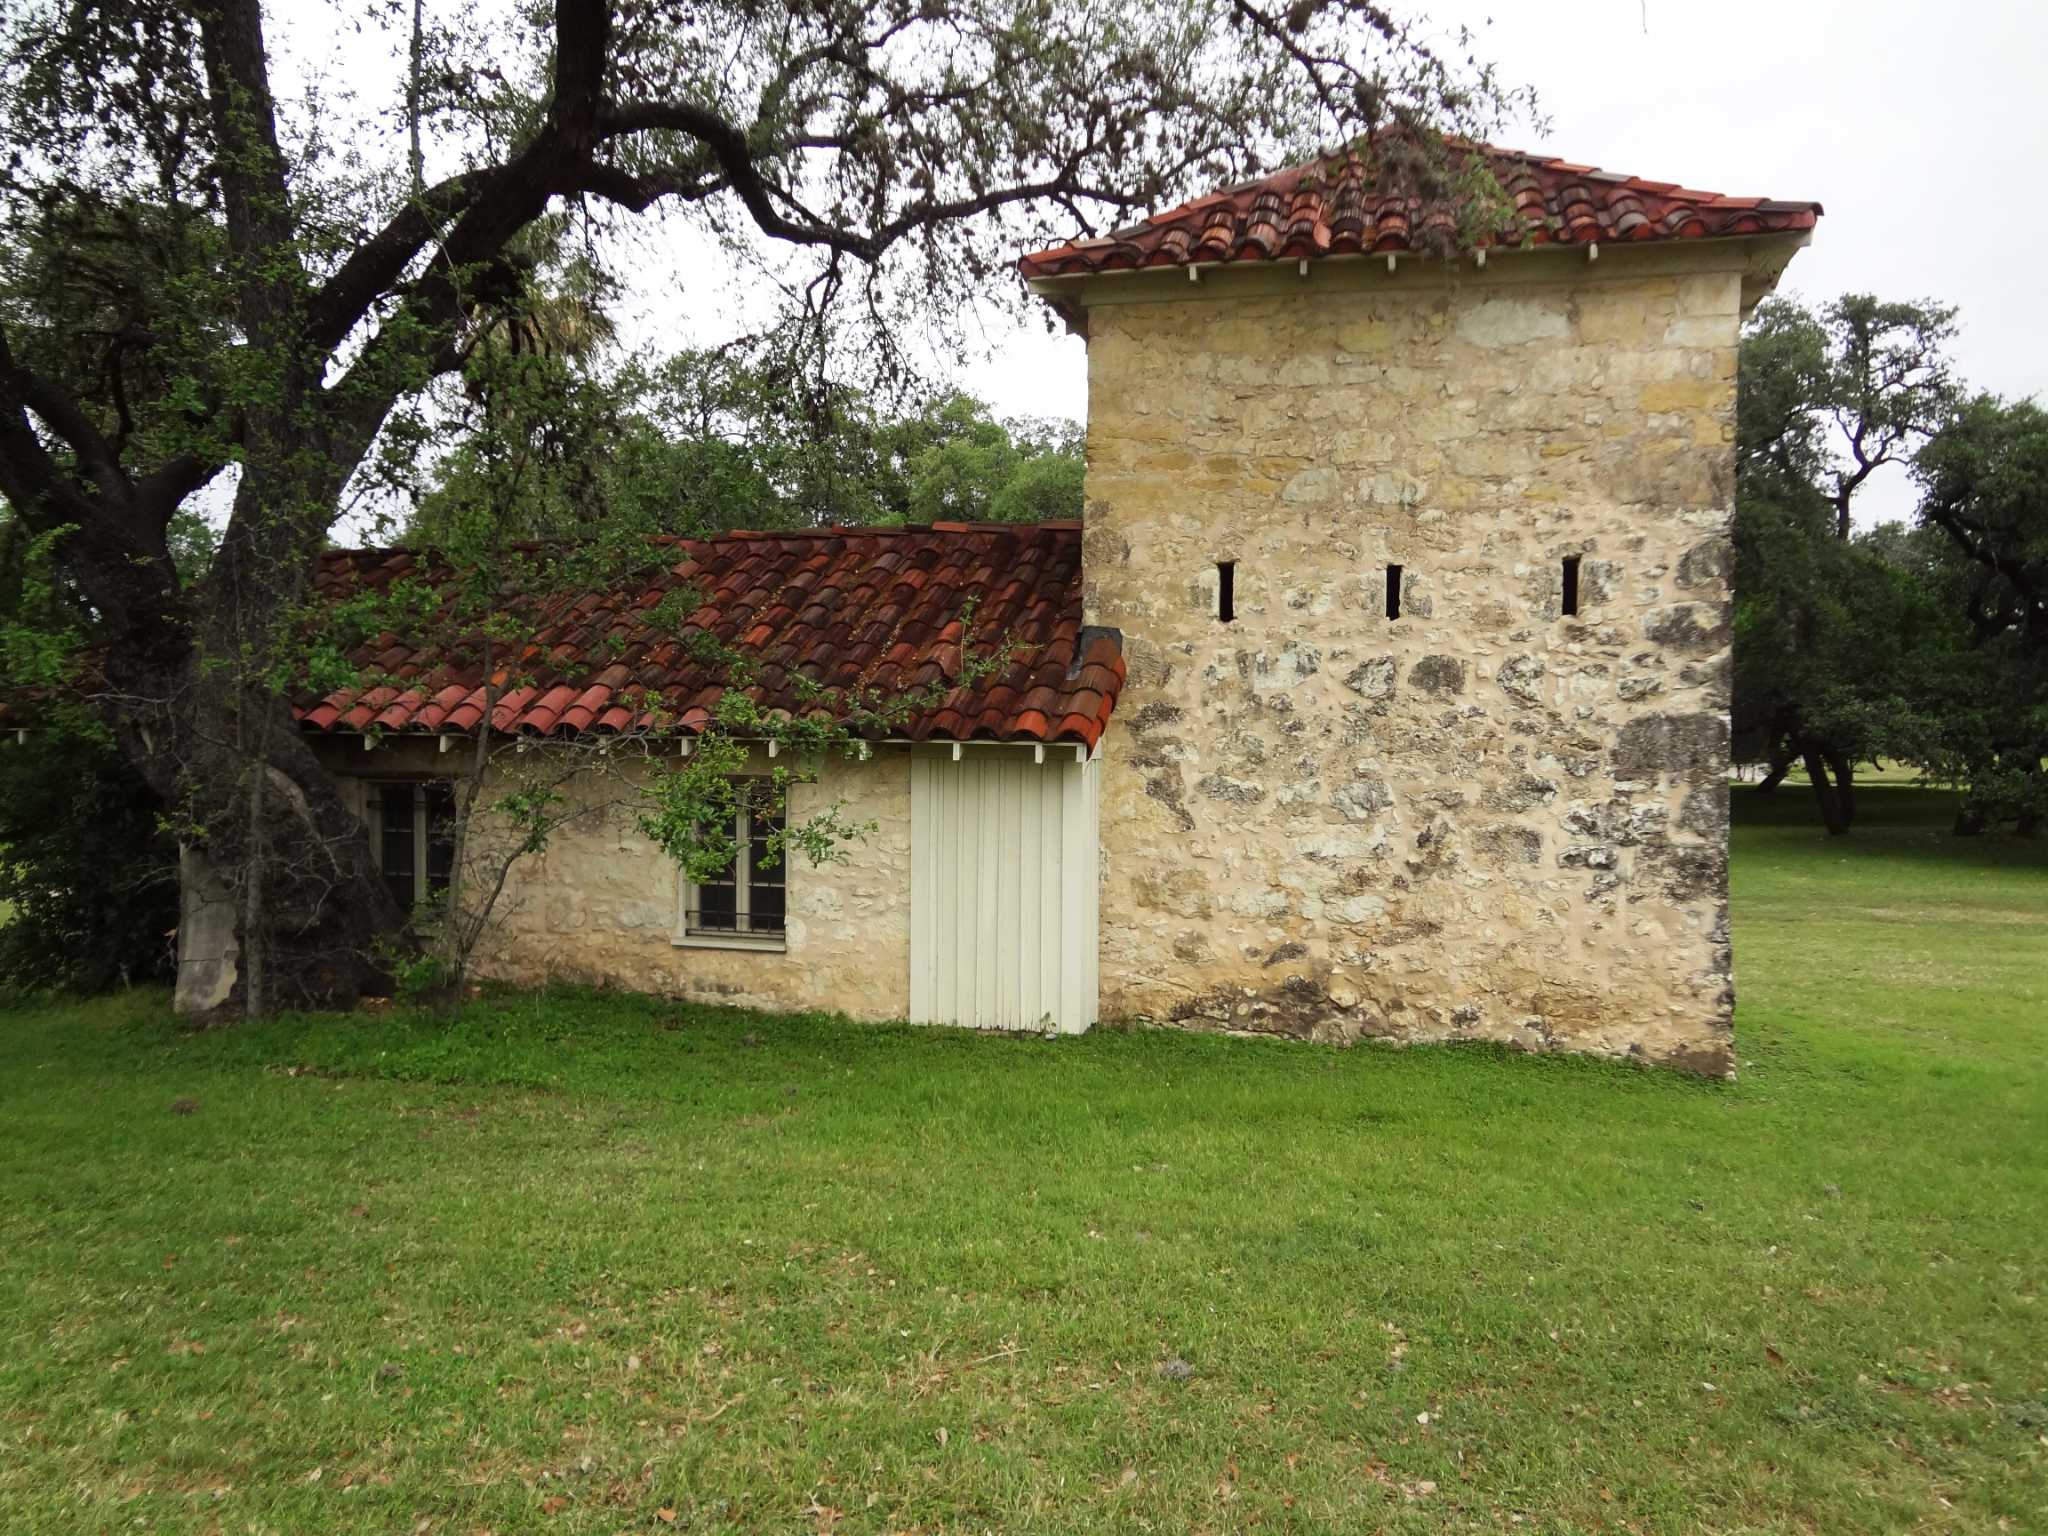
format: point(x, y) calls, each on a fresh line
point(1422, 569)
point(1405, 574)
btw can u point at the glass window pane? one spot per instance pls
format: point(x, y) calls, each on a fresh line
point(765, 900)
point(716, 901)
point(395, 850)
point(765, 909)
point(717, 907)
point(744, 885)
point(440, 835)
point(762, 865)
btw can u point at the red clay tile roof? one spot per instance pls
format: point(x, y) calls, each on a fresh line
point(873, 608)
point(1332, 208)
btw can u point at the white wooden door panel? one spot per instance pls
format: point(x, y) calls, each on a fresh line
point(1003, 890)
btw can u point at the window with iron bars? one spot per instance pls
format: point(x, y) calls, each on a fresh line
point(745, 901)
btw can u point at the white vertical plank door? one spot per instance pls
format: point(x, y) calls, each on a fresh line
point(1003, 900)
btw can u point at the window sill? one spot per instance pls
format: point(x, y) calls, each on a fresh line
point(771, 943)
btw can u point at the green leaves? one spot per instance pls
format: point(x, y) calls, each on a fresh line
point(88, 877)
point(1829, 396)
point(1985, 510)
point(702, 442)
point(1926, 645)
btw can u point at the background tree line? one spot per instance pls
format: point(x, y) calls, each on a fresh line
point(1922, 643)
point(705, 441)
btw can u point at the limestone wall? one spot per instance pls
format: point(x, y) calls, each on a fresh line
point(1481, 819)
point(600, 906)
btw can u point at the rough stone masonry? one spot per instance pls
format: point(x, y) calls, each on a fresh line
point(1486, 818)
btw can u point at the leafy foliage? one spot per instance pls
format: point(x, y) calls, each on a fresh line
point(88, 878)
point(1984, 527)
point(1838, 648)
point(707, 441)
point(1925, 644)
point(85, 866)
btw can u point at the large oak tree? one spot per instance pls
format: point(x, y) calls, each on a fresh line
point(1830, 638)
point(206, 273)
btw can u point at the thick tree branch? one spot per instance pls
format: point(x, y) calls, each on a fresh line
point(1970, 538)
point(375, 266)
point(734, 155)
point(255, 195)
point(489, 211)
point(638, 191)
point(583, 31)
point(29, 477)
point(22, 389)
point(160, 493)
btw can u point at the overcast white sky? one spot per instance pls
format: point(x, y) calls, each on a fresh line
point(1920, 128)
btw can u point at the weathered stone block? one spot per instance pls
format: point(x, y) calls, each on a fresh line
point(1521, 678)
point(1513, 321)
point(1688, 748)
point(1372, 679)
point(1690, 629)
point(1362, 799)
point(1441, 675)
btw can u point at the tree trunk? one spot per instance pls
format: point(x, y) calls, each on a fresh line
point(1781, 764)
point(1824, 792)
point(282, 903)
point(1845, 786)
point(2030, 817)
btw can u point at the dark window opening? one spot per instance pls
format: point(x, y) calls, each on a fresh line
point(1571, 585)
point(1226, 590)
point(747, 895)
point(1393, 591)
point(416, 839)
point(764, 878)
point(440, 807)
point(395, 841)
point(718, 904)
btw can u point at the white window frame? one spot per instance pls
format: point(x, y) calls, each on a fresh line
point(688, 898)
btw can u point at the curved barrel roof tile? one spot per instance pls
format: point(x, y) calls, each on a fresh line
point(878, 611)
point(1333, 207)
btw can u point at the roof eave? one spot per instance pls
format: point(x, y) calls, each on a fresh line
point(1063, 290)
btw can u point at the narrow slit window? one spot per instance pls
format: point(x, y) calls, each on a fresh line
point(1571, 586)
point(1393, 591)
point(1226, 590)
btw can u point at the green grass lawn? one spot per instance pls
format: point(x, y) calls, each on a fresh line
point(581, 1264)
